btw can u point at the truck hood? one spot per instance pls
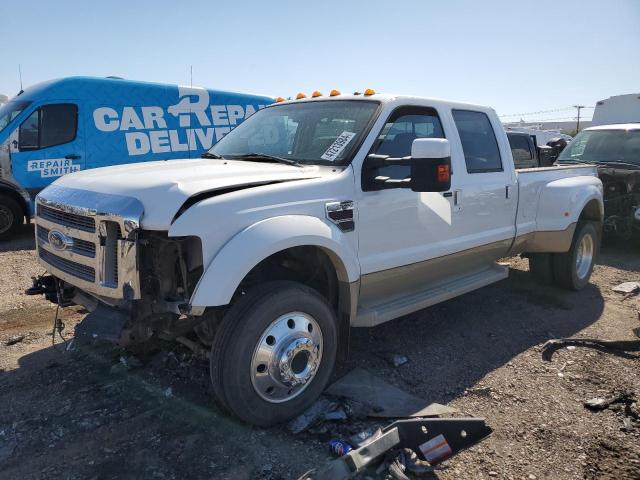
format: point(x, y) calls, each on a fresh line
point(163, 187)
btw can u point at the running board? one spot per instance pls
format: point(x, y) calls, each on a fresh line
point(377, 314)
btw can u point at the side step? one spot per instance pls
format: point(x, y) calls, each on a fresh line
point(377, 314)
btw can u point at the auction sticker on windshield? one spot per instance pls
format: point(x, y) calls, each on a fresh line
point(338, 146)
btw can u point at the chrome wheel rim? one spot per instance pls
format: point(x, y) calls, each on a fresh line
point(6, 218)
point(286, 358)
point(584, 256)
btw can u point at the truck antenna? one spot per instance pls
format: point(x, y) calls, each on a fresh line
point(20, 76)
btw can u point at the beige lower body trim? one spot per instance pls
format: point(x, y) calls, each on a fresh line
point(545, 242)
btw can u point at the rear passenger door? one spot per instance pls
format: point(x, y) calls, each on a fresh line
point(486, 196)
point(49, 144)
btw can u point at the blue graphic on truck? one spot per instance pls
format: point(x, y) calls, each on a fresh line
point(77, 123)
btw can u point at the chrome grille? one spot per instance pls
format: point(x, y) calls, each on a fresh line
point(81, 247)
point(95, 244)
point(71, 220)
point(78, 270)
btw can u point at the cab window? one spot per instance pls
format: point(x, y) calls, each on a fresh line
point(48, 126)
point(403, 127)
point(521, 151)
point(479, 144)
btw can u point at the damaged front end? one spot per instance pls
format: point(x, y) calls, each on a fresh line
point(621, 201)
point(136, 284)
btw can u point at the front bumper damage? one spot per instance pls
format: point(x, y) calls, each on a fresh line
point(134, 283)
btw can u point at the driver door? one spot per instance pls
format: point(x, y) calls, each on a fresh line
point(400, 229)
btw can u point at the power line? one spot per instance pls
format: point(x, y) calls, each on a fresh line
point(540, 112)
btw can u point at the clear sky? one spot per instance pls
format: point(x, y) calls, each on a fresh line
point(517, 56)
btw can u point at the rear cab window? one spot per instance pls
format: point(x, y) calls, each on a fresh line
point(479, 143)
point(48, 126)
point(520, 145)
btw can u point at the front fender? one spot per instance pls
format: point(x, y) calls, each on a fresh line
point(261, 240)
point(562, 201)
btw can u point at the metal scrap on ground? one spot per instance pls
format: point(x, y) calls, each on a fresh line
point(431, 439)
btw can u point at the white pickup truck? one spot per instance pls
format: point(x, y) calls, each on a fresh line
point(311, 217)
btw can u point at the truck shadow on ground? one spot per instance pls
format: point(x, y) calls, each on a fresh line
point(159, 419)
point(23, 240)
point(453, 345)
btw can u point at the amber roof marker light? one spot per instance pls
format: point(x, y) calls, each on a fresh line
point(316, 93)
point(334, 93)
point(279, 99)
point(300, 96)
point(369, 91)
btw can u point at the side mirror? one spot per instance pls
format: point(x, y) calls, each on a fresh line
point(430, 165)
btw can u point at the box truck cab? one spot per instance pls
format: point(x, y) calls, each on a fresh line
point(77, 123)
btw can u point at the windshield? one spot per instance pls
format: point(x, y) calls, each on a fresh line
point(306, 132)
point(604, 146)
point(9, 111)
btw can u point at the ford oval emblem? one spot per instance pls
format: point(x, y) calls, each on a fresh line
point(59, 240)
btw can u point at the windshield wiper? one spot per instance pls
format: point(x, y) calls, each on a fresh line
point(210, 155)
point(266, 156)
point(618, 162)
point(573, 160)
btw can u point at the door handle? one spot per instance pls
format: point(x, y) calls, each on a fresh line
point(72, 156)
point(457, 200)
point(507, 191)
point(457, 197)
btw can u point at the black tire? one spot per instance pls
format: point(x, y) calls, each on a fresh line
point(565, 269)
point(241, 330)
point(541, 267)
point(11, 217)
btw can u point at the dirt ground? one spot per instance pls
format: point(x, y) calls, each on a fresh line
point(80, 413)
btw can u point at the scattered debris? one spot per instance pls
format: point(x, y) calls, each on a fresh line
point(406, 461)
point(168, 392)
point(195, 347)
point(609, 346)
point(390, 401)
point(14, 339)
point(398, 360)
point(626, 399)
point(627, 287)
point(339, 447)
point(362, 438)
point(125, 364)
point(445, 438)
point(322, 410)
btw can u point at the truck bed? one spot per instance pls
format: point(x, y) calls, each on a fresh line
point(531, 183)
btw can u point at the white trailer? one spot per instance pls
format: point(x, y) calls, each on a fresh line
point(617, 109)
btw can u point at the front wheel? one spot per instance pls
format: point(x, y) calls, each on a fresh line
point(572, 269)
point(274, 352)
point(11, 217)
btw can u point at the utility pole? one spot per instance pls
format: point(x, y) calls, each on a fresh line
point(579, 107)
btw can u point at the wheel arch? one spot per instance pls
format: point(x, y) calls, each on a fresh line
point(266, 240)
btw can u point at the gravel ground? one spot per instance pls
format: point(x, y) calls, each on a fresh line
point(82, 413)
